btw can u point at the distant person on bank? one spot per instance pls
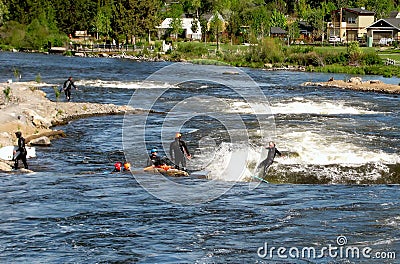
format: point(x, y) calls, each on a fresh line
point(20, 153)
point(67, 87)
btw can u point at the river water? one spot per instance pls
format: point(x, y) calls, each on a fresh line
point(335, 187)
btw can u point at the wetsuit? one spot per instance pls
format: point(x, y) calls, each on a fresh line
point(20, 154)
point(68, 84)
point(177, 151)
point(270, 159)
point(154, 160)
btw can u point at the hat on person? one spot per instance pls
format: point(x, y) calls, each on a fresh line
point(18, 133)
point(178, 135)
point(153, 150)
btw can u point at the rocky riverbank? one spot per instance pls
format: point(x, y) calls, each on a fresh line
point(25, 108)
point(356, 83)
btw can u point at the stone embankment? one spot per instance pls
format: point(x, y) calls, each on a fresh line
point(25, 108)
point(356, 83)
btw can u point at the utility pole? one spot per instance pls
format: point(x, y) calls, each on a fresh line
point(340, 23)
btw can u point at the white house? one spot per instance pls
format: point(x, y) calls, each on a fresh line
point(186, 26)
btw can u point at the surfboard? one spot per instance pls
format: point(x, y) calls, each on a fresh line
point(169, 172)
point(6, 153)
point(260, 179)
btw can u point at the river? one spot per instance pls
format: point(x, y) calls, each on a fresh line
point(335, 189)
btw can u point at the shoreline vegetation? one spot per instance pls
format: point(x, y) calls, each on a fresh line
point(24, 107)
point(268, 54)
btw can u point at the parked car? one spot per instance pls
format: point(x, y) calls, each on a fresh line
point(334, 39)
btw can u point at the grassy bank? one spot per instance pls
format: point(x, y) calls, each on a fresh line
point(349, 59)
point(271, 53)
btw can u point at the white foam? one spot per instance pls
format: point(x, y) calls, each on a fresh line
point(297, 105)
point(322, 108)
point(220, 161)
point(315, 148)
point(124, 85)
point(304, 149)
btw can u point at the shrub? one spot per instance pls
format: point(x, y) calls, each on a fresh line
point(57, 92)
point(354, 52)
point(192, 48)
point(13, 33)
point(268, 50)
point(311, 58)
point(38, 78)
point(371, 59)
point(7, 93)
point(335, 58)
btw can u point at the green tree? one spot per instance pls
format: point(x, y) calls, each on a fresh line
point(277, 19)
point(146, 16)
point(102, 21)
point(3, 12)
point(293, 31)
point(315, 18)
point(259, 22)
point(382, 8)
point(216, 26)
point(301, 8)
point(37, 34)
point(13, 33)
point(122, 21)
point(176, 13)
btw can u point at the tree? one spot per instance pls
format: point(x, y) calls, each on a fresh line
point(381, 8)
point(258, 21)
point(277, 19)
point(301, 8)
point(145, 15)
point(216, 26)
point(176, 22)
point(315, 18)
point(121, 22)
point(102, 21)
point(3, 12)
point(293, 31)
point(195, 25)
point(13, 33)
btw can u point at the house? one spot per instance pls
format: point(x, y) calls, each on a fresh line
point(277, 32)
point(305, 29)
point(187, 25)
point(384, 30)
point(350, 23)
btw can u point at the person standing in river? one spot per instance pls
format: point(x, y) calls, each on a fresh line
point(179, 152)
point(20, 153)
point(272, 151)
point(67, 87)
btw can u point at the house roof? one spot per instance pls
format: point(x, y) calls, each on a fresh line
point(210, 16)
point(394, 14)
point(277, 30)
point(304, 25)
point(385, 22)
point(186, 24)
point(358, 11)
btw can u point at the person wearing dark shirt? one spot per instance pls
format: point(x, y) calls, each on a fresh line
point(67, 87)
point(20, 152)
point(179, 152)
point(272, 151)
point(154, 159)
